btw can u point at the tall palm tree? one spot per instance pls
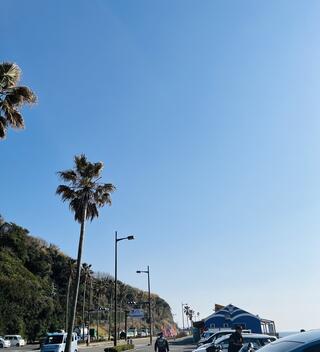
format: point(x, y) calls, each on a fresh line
point(85, 195)
point(12, 98)
point(187, 312)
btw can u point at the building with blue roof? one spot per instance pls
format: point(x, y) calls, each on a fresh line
point(230, 316)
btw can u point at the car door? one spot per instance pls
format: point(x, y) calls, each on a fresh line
point(312, 348)
point(255, 342)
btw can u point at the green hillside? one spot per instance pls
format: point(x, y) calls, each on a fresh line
point(34, 278)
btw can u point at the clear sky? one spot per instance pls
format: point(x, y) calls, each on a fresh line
point(206, 114)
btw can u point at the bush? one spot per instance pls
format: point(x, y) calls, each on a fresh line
point(119, 348)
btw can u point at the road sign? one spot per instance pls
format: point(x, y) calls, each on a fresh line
point(136, 313)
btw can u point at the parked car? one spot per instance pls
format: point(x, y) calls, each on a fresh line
point(143, 332)
point(215, 335)
point(132, 332)
point(15, 340)
point(222, 343)
point(308, 341)
point(4, 343)
point(206, 334)
point(56, 342)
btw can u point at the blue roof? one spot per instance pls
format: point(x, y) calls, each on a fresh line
point(231, 312)
point(231, 316)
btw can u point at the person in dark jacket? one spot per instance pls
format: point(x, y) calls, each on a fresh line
point(235, 340)
point(161, 344)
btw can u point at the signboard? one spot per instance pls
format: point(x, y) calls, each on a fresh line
point(136, 313)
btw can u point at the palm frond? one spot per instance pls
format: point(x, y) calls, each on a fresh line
point(18, 96)
point(13, 117)
point(96, 168)
point(68, 175)
point(3, 127)
point(66, 193)
point(80, 163)
point(9, 75)
point(77, 206)
point(18, 119)
point(28, 96)
point(92, 211)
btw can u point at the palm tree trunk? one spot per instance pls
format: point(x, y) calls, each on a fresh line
point(76, 286)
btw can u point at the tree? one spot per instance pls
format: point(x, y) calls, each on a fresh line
point(87, 272)
point(187, 313)
point(100, 290)
point(85, 195)
point(12, 98)
point(71, 267)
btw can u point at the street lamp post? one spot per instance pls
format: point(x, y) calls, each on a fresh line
point(116, 240)
point(149, 300)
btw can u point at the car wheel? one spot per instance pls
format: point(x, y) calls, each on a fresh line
point(17, 345)
point(1, 345)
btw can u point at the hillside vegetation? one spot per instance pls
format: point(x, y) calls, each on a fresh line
point(34, 278)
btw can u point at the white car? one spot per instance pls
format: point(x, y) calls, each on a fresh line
point(4, 343)
point(210, 336)
point(132, 333)
point(15, 340)
point(56, 342)
point(222, 343)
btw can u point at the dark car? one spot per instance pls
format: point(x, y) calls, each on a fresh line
point(308, 341)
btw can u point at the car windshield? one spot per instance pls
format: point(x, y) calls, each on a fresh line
point(54, 339)
point(221, 339)
point(280, 346)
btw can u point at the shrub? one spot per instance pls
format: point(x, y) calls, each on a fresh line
point(119, 348)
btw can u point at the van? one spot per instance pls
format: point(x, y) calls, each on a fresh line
point(56, 342)
point(15, 340)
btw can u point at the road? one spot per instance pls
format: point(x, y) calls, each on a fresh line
point(141, 345)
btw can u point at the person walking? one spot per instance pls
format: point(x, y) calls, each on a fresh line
point(235, 340)
point(161, 344)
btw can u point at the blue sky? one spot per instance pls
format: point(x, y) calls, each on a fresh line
point(206, 114)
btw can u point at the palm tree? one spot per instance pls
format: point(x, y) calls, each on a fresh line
point(187, 312)
point(12, 98)
point(85, 195)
